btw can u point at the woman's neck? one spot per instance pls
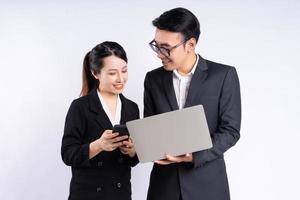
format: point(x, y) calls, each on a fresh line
point(111, 102)
point(108, 96)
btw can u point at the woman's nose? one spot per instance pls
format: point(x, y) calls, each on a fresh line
point(120, 77)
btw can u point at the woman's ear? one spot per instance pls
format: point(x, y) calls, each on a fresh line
point(94, 74)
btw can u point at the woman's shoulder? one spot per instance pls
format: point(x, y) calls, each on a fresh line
point(80, 102)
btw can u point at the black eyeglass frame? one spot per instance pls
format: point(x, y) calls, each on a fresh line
point(164, 51)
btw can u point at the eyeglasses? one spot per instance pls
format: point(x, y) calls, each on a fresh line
point(164, 51)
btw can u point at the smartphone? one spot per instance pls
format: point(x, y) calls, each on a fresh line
point(121, 129)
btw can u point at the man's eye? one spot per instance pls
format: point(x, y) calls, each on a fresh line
point(164, 49)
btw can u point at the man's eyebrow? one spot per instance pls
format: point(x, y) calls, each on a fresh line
point(162, 44)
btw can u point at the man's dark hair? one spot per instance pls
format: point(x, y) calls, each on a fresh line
point(179, 20)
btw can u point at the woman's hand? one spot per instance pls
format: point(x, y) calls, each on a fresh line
point(108, 141)
point(128, 148)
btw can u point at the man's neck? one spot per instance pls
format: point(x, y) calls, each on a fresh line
point(188, 65)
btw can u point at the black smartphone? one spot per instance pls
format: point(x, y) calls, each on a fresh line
point(121, 129)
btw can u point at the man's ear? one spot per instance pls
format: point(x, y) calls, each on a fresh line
point(191, 45)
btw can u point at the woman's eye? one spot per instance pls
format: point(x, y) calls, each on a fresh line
point(112, 74)
point(124, 71)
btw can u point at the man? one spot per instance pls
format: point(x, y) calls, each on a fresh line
point(186, 79)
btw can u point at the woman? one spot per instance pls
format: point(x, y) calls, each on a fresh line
point(101, 161)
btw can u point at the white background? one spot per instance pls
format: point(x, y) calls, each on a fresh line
point(42, 45)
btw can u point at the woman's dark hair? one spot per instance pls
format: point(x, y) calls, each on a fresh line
point(93, 62)
point(179, 20)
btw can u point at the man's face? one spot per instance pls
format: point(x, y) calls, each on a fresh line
point(167, 40)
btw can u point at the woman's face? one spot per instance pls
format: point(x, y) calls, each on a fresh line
point(113, 76)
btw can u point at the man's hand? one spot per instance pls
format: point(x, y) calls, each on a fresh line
point(175, 159)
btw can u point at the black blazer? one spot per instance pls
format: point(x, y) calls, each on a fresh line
point(107, 175)
point(216, 87)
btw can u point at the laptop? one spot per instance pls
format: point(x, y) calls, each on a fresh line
point(175, 133)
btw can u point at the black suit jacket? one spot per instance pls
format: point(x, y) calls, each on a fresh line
point(107, 175)
point(216, 87)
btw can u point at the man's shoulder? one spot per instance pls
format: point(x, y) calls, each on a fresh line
point(157, 71)
point(219, 70)
point(217, 66)
point(128, 102)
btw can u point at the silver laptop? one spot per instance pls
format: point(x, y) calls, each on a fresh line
point(175, 133)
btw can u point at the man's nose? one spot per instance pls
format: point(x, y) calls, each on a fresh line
point(160, 55)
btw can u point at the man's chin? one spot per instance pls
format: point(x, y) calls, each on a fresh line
point(168, 67)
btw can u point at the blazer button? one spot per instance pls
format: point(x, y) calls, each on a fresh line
point(100, 164)
point(99, 189)
point(119, 185)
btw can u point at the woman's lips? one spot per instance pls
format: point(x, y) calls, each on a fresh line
point(118, 86)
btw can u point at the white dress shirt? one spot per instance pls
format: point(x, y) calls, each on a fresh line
point(182, 83)
point(116, 118)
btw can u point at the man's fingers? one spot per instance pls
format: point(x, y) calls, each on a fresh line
point(189, 156)
point(163, 162)
point(181, 158)
point(173, 158)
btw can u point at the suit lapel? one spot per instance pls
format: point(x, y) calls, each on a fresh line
point(169, 90)
point(197, 81)
point(96, 106)
point(124, 112)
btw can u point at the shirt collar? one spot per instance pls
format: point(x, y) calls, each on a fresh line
point(117, 118)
